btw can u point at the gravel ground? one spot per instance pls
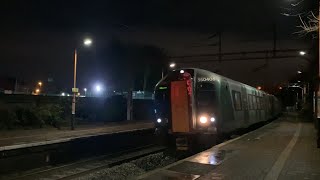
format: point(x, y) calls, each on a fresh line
point(132, 169)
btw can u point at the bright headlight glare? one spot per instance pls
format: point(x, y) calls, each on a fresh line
point(203, 119)
point(159, 120)
point(212, 119)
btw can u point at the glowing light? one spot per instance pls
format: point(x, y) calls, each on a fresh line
point(172, 65)
point(87, 42)
point(40, 83)
point(302, 53)
point(280, 87)
point(203, 119)
point(299, 72)
point(212, 119)
point(181, 71)
point(159, 120)
point(85, 89)
point(63, 94)
point(259, 87)
point(37, 90)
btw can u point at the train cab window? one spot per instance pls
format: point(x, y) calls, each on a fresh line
point(236, 100)
point(206, 94)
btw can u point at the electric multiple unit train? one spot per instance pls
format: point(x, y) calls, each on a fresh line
point(190, 103)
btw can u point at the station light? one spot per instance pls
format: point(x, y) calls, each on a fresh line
point(172, 65)
point(98, 88)
point(302, 53)
point(203, 119)
point(159, 120)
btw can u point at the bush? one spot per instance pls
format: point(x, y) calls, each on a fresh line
point(50, 114)
point(8, 119)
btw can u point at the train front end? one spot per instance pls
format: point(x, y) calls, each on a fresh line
point(183, 108)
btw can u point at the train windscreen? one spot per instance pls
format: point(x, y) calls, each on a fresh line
point(206, 97)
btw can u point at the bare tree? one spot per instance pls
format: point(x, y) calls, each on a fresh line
point(309, 24)
point(309, 21)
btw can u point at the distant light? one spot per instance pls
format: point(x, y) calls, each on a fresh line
point(280, 87)
point(98, 88)
point(63, 94)
point(37, 90)
point(259, 87)
point(78, 94)
point(114, 91)
point(87, 42)
point(212, 119)
point(299, 72)
point(85, 89)
point(40, 83)
point(159, 120)
point(181, 71)
point(299, 81)
point(172, 65)
point(302, 53)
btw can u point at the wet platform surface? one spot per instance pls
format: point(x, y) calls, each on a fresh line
point(16, 139)
point(283, 149)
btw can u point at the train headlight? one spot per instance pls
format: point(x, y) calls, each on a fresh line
point(203, 119)
point(212, 119)
point(159, 120)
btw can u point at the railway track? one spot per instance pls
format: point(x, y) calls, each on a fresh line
point(80, 168)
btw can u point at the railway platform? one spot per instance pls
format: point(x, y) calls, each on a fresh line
point(17, 139)
point(283, 149)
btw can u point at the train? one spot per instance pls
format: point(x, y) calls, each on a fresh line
point(194, 104)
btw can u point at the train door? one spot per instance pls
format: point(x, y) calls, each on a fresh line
point(180, 109)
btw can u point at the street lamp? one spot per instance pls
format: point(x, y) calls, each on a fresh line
point(86, 42)
point(172, 65)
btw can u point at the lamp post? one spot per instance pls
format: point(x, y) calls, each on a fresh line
point(86, 42)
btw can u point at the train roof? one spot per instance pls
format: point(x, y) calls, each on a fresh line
point(230, 80)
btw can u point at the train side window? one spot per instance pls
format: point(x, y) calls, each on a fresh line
point(237, 100)
point(249, 102)
point(258, 102)
point(254, 104)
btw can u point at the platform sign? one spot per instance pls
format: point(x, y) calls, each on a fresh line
point(75, 90)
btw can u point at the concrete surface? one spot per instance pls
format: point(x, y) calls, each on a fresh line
point(27, 138)
point(284, 149)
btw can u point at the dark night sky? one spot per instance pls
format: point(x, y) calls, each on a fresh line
point(38, 37)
